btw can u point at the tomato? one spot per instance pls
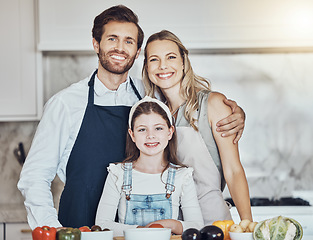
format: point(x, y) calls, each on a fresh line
point(85, 229)
point(191, 234)
point(96, 228)
point(211, 232)
point(156, 225)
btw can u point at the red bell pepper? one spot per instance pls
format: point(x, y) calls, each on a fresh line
point(44, 233)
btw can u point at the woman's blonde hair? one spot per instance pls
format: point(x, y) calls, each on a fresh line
point(191, 83)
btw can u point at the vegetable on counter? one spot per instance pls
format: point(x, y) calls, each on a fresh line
point(225, 226)
point(156, 225)
point(85, 229)
point(45, 232)
point(191, 234)
point(211, 232)
point(278, 228)
point(96, 228)
point(244, 226)
point(68, 234)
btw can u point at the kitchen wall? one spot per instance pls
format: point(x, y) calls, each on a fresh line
point(274, 89)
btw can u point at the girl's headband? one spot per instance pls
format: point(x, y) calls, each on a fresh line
point(149, 99)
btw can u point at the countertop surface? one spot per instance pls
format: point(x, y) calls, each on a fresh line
point(12, 213)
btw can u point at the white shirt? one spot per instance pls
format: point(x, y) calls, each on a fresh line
point(113, 199)
point(54, 140)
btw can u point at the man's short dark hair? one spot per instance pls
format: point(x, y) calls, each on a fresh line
point(119, 13)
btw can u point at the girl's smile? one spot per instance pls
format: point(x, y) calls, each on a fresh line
point(152, 145)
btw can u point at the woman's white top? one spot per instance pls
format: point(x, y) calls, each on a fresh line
point(201, 153)
point(113, 198)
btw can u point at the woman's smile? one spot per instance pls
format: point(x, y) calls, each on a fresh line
point(164, 62)
point(165, 76)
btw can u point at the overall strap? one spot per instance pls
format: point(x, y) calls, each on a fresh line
point(170, 187)
point(135, 89)
point(127, 179)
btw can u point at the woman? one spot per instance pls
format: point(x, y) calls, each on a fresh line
point(168, 74)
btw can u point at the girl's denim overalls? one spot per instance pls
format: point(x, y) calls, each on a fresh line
point(144, 209)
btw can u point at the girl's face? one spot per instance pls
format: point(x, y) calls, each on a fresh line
point(164, 64)
point(151, 134)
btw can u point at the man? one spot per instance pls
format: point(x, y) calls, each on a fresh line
point(84, 127)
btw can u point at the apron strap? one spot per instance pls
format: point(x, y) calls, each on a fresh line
point(127, 179)
point(135, 89)
point(170, 187)
point(91, 84)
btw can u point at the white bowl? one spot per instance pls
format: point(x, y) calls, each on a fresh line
point(241, 236)
point(101, 235)
point(148, 234)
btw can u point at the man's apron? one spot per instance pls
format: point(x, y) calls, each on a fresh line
point(100, 141)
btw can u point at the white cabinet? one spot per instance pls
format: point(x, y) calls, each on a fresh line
point(66, 25)
point(1, 231)
point(20, 85)
point(17, 231)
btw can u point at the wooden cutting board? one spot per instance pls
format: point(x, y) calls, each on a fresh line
point(174, 237)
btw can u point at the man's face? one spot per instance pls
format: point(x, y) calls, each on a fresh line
point(118, 47)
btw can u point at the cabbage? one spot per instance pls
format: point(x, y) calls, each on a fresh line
point(278, 228)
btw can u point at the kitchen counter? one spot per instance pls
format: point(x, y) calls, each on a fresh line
point(12, 213)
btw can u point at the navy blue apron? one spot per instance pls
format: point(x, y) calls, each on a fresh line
point(100, 141)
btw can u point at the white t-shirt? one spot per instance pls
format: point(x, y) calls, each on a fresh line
point(113, 198)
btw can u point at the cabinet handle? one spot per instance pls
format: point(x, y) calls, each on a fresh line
point(26, 230)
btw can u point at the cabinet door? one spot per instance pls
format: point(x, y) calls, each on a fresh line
point(19, 85)
point(1, 231)
point(17, 231)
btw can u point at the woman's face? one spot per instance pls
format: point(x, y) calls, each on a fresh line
point(164, 64)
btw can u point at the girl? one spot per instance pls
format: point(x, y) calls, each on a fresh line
point(150, 185)
point(168, 74)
